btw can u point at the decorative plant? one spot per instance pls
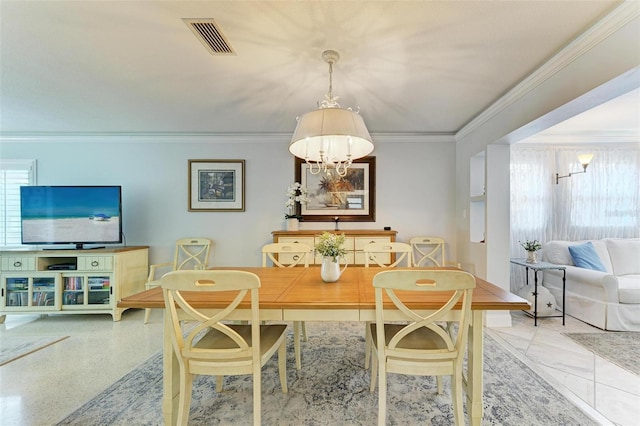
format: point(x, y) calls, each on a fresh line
point(296, 193)
point(330, 244)
point(531, 245)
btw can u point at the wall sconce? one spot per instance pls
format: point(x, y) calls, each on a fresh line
point(584, 159)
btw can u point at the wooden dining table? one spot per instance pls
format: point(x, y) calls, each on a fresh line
point(299, 294)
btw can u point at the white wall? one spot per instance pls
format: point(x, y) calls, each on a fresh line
point(610, 51)
point(415, 187)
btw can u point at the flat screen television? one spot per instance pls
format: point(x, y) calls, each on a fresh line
point(71, 215)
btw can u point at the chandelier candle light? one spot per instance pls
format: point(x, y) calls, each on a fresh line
point(331, 137)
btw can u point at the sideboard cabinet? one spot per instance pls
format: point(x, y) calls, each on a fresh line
point(355, 240)
point(71, 281)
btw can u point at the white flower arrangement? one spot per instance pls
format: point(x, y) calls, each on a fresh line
point(531, 245)
point(296, 193)
point(330, 244)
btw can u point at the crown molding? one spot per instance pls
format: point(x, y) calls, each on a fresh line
point(608, 25)
point(209, 137)
point(585, 137)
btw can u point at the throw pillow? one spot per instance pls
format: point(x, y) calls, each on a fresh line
point(585, 256)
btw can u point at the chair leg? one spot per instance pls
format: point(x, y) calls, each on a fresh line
point(367, 344)
point(456, 396)
point(296, 343)
point(374, 370)
point(146, 315)
point(382, 393)
point(282, 366)
point(219, 383)
point(184, 404)
point(439, 383)
point(257, 393)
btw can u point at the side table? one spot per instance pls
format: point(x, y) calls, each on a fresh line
point(537, 267)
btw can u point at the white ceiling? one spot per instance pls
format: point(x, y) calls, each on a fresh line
point(617, 120)
point(135, 67)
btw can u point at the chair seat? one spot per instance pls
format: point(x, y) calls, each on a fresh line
point(214, 339)
point(422, 338)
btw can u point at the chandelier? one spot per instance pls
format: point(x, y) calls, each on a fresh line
point(331, 137)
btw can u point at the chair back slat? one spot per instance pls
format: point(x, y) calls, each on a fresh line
point(456, 285)
point(296, 254)
point(192, 253)
point(239, 282)
point(428, 251)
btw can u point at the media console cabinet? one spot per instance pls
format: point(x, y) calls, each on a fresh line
point(71, 281)
point(355, 240)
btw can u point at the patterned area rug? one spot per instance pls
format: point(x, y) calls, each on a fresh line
point(333, 388)
point(15, 347)
point(619, 347)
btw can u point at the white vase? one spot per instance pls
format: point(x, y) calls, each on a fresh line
point(292, 224)
point(532, 257)
point(330, 271)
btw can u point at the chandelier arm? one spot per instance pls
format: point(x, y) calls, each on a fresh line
point(341, 168)
point(311, 168)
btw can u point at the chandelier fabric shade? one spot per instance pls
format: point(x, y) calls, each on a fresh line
point(335, 133)
point(331, 137)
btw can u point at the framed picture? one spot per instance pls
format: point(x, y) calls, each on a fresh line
point(350, 198)
point(216, 185)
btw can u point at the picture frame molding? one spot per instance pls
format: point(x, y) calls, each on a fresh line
point(370, 187)
point(196, 204)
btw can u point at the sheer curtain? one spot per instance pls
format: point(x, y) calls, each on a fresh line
point(603, 202)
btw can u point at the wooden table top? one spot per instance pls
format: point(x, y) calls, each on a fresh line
point(302, 288)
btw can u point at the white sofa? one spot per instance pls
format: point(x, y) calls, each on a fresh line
point(608, 300)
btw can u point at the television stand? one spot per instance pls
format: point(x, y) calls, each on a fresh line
point(71, 281)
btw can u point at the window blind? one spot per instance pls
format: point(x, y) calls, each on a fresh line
point(13, 175)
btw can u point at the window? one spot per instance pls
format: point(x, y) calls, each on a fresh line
point(13, 175)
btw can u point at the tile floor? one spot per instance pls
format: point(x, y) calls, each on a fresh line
point(610, 393)
point(45, 386)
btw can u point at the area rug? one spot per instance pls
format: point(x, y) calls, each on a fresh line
point(15, 347)
point(333, 389)
point(619, 347)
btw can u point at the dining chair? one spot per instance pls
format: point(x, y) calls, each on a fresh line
point(213, 347)
point(422, 346)
point(428, 251)
point(289, 255)
point(190, 253)
point(379, 254)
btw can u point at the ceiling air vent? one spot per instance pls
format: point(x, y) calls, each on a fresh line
point(210, 36)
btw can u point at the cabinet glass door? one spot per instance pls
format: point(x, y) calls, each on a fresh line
point(85, 291)
point(17, 291)
point(99, 290)
point(25, 292)
point(44, 291)
point(73, 291)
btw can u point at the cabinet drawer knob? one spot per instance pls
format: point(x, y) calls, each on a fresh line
point(94, 263)
point(17, 264)
point(296, 257)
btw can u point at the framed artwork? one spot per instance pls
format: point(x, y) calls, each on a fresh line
point(350, 198)
point(216, 185)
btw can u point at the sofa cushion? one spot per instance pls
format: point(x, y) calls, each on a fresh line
point(585, 256)
point(625, 255)
point(629, 289)
point(557, 252)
